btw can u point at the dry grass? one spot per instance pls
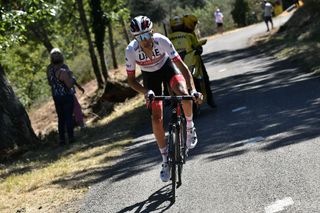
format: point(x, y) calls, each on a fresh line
point(43, 180)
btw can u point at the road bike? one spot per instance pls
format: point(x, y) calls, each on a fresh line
point(177, 149)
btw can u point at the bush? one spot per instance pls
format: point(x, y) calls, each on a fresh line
point(239, 12)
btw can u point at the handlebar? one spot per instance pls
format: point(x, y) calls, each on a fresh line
point(174, 98)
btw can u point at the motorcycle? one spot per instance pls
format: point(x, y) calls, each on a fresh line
point(196, 66)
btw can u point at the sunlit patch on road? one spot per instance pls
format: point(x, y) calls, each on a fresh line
point(222, 70)
point(248, 141)
point(255, 140)
point(279, 205)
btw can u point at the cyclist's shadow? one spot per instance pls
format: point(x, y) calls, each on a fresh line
point(159, 201)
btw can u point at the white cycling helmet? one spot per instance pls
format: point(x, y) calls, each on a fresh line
point(140, 24)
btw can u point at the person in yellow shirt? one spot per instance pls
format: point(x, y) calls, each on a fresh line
point(189, 48)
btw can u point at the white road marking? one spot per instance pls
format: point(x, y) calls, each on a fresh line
point(222, 70)
point(239, 109)
point(279, 205)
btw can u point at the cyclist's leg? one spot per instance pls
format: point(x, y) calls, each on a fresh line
point(179, 87)
point(152, 81)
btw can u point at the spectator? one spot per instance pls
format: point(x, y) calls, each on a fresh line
point(219, 20)
point(268, 9)
point(60, 80)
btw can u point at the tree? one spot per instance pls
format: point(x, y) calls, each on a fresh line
point(239, 12)
point(93, 56)
point(113, 54)
point(115, 10)
point(16, 132)
point(153, 9)
point(124, 29)
point(99, 28)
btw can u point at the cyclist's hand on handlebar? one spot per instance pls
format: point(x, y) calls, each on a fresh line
point(198, 97)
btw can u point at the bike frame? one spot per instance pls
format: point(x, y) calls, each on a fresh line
point(176, 139)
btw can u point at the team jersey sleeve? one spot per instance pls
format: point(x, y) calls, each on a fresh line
point(130, 61)
point(169, 49)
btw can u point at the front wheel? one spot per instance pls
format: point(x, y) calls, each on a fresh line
point(172, 161)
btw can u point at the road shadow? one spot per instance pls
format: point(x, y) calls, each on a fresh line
point(280, 103)
point(269, 114)
point(159, 201)
point(136, 159)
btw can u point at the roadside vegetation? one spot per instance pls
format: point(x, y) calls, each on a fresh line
point(299, 39)
point(45, 177)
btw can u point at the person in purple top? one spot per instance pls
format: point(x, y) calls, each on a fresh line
point(61, 82)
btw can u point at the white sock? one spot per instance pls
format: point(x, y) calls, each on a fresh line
point(190, 123)
point(164, 154)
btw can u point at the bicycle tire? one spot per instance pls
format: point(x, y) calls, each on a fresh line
point(179, 160)
point(173, 163)
point(183, 142)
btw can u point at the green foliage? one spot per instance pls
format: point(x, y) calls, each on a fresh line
point(239, 12)
point(26, 72)
point(15, 16)
point(153, 9)
point(26, 62)
point(205, 15)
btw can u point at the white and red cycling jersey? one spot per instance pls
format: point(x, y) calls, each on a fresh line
point(162, 50)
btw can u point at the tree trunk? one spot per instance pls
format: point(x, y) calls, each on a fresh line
point(16, 132)
point(99, 28)
point(103, 63)
point(93, 56)
point(124, 28)
point(113, 54)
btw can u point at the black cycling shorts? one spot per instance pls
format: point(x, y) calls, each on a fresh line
point(153, 80)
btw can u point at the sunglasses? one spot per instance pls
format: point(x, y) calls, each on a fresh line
point(143, 36)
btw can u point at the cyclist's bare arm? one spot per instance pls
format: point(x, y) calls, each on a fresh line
point(134, 84)
point(186, 73)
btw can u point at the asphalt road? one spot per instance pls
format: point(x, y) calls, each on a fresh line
point(258, 152)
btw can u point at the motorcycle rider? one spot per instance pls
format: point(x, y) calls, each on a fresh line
point(190, 49)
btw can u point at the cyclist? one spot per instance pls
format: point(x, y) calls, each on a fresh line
point(158, 60)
